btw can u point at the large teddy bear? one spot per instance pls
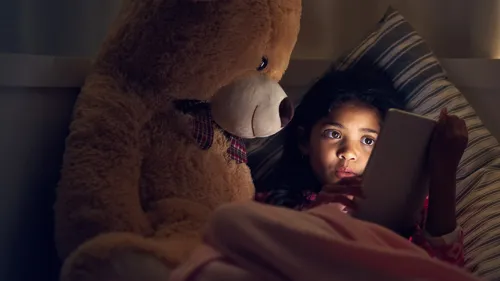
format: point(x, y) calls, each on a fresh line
point(154, 145)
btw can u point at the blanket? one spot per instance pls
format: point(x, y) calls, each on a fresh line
point(252, 241)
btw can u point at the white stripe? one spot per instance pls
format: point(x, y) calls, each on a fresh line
point(371, 41)
point(397, 49)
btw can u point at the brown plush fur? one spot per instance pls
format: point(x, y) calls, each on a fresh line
point(133, 179)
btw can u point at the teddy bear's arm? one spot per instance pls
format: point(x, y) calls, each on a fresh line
point(99, 187)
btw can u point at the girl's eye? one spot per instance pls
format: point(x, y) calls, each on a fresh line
point(367, 141)
point(332, 134)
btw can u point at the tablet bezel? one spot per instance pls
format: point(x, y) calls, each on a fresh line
point(395, 181)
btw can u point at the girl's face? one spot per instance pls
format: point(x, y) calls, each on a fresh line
point(341, 143)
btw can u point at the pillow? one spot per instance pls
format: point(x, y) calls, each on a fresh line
point(396, 48)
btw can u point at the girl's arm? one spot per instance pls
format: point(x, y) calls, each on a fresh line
point(448, 247)
point(441, 218)
point(442, 238)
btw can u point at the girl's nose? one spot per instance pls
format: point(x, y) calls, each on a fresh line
point(347, 154)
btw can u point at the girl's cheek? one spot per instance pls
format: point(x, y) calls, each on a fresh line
point(328, 155)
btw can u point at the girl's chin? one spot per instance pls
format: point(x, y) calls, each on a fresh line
point(334, 180)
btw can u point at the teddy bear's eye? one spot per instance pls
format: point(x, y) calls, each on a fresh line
point(263, 64)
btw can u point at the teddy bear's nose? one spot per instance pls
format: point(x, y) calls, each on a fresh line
point(285, 111)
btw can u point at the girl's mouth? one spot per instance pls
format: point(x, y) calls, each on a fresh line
point(344, 172)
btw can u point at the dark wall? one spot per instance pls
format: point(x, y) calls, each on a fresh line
point(33, 126)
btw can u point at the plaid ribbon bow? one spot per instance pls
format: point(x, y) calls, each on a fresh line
point(203, 129)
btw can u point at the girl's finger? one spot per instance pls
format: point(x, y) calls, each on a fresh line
point(346, 202)
point(443, 115)
point(336, 188)
point(444, 112)
point(464, 131)
point(350, 180)
point(441, 125)
point(460, 126)
point(355, 191)
point(342, 200)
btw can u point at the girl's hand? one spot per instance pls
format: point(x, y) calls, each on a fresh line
point(448, 143)
point(446, 149)
point(340, 194)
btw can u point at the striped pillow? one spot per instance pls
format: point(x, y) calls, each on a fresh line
point(396, 48)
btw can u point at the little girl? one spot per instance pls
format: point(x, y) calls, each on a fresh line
point(331, 139)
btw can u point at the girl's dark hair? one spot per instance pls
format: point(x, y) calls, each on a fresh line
point(293, 177)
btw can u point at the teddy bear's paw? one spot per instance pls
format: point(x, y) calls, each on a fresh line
point(132, 266)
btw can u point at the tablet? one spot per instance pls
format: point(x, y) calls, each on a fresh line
point(395, 181)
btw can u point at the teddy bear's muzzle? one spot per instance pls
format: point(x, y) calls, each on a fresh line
point(251, 107)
